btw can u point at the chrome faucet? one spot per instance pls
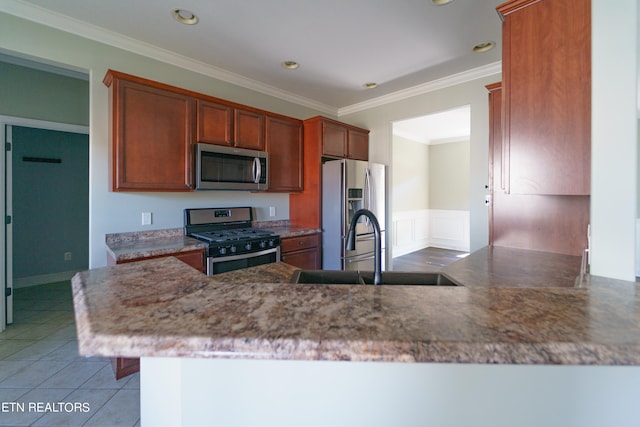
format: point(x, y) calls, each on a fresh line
point(351, 241)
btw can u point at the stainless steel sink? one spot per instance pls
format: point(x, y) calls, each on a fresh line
point(337, 277)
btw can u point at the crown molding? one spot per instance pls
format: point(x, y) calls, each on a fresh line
point(452, 80)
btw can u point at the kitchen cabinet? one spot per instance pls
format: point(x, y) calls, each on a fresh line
point(221, 124)
point(358, 145)
point(334, 139)
point(343, 141)
point(548, 223)
point(151, 129)
point(546, 63)
point(302, 251)
point(286, 161)
point(323, 138)
point(214, 123)
point(248, 129)
point(154, 127)
point(124, 366)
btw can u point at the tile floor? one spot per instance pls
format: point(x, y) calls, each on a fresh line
point(40, 366)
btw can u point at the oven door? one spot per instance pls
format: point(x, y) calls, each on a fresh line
point(217, 265)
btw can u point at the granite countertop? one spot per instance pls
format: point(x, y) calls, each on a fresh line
point(144, 244)
point(163, 307)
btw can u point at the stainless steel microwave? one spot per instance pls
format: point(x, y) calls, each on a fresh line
point(229, 168)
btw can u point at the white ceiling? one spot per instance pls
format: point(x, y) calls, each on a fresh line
point(438, 128)
point(339, 44)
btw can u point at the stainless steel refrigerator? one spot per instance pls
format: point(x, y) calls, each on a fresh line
point(349, 185)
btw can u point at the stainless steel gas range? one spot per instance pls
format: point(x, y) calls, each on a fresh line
point(233, 243)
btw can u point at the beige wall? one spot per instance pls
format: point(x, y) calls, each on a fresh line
point(449, 176)
point(411, 178)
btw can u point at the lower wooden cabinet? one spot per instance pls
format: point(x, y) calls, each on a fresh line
point(123, 366)
point(302, 251)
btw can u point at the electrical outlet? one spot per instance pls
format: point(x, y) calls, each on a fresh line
point(272, 211)
point(68, 256)
point(146, 218)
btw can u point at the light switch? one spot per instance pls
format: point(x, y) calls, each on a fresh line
point(272, 211)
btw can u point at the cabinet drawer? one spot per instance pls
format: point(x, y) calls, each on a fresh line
point(301, 242)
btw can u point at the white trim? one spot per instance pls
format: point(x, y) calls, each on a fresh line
point(41, 65)
point(42, 124)
point(67, 24)
point(452, 80)
point(419, 229)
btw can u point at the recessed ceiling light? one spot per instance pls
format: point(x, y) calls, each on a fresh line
point(370, 85)
point(183, 16)
point(483, 47)
point(441, 2)
point(290, 65)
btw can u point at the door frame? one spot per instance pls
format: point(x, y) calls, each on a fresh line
point(6, 272)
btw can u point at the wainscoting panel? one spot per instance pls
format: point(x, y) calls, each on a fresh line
point(415, 230)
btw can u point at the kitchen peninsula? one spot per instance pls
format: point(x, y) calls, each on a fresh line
point(240, 351)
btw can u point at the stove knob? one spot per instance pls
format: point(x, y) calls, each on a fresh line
point(272, 243)
point(263, 244)
point(248, 246)
point(233, 249)
point(223, 251)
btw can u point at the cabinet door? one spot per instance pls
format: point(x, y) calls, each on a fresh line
point(214, 123)
point(334, 140)
point(151, 138)
point(358, 145)
point(546, 64)
point(554, 223)
point(284, 145)
point(307, 260)
point(302, 251)
point(248, 130)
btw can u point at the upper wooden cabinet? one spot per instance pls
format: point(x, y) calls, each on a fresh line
point(214, 123)
point(334, 139)
point(358, 145)
point(249, 130)
point(151, 130)
point(221, 124)
point(154, 127)
point(284, 145)
point(340, 140)
point(546, 70)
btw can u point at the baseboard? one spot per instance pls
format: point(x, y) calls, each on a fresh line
point(42, 279)
point(419, 229)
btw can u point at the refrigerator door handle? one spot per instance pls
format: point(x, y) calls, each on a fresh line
point(361, 257)
point(365, 237)
point(367, 193)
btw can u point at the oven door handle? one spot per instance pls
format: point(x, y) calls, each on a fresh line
point(244, 256)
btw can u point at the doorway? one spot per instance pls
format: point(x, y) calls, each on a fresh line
point(431, 182)
point(46, 190)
